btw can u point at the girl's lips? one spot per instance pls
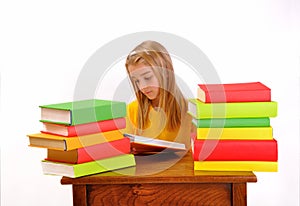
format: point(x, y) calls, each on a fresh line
point(147, 92)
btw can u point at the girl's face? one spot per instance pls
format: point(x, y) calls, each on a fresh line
point(145, 80)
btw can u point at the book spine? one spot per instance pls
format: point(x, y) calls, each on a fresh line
point(95, 127)
point(236, 150)
point(88, 168)
point(235, 92)
point(91, 139)
point(200, 110)
point(258, 166)
point(90, 153)
point(232, 122)
point(238, 133)
point(239, 96)
point(103, 165)
point(104, 150)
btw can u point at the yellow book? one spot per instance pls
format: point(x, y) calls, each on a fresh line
point(57, 142)
point(237, 133)
point(258, 166)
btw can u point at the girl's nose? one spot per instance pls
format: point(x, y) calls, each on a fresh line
point(142, 84)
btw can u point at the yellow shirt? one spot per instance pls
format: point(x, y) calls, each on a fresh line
point(157, 127)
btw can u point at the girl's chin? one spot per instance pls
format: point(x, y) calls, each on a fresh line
point(150, 97)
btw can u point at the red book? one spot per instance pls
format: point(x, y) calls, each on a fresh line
point(90, 153)
point(235, 150)
point(235, 92)
point(84, 129)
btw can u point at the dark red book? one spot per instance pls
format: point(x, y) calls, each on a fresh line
point(90, 153)
point(84, 129)
point(235, 92)
point(234, 150)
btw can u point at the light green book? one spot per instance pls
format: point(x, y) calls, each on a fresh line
point(88, 168)
point(200, 110)
point(83, 111)
point(232, 122)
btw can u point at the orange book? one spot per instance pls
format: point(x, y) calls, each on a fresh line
point(69, 143)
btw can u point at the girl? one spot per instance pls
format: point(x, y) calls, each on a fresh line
point(160, 109)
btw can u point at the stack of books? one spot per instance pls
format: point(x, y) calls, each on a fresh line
point(232, 128)
point(83, 137)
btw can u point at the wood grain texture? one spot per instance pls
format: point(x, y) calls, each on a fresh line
point(239, 194)
point(160, 194)
point(79, 195)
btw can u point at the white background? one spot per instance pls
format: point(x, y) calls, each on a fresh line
point(44, 45)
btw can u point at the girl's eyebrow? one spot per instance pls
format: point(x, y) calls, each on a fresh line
point(145, 73)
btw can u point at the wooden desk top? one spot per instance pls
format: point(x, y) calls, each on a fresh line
point(162, 168)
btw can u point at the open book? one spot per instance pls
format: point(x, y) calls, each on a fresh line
point(141, 144)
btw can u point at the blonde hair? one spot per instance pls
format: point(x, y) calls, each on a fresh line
point(171, 100)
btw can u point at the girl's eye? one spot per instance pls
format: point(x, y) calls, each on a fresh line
point(148, 78)
point(136, 81)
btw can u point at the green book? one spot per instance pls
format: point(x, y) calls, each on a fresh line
point(83, 111)
point(232, 122)
point(200, 110)
point(88, 168)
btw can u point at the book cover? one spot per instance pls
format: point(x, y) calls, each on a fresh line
point(236, 150)
point(143, 144)
point(84, 129)
point(90, 153)
point(57, 142)
point(88, 168)
point(232, 122)
point(234, 92)
point(236, 133)
point(257, 166)
point(81, 112)
point(200, 110)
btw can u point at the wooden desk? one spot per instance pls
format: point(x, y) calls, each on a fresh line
point(154, 182)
